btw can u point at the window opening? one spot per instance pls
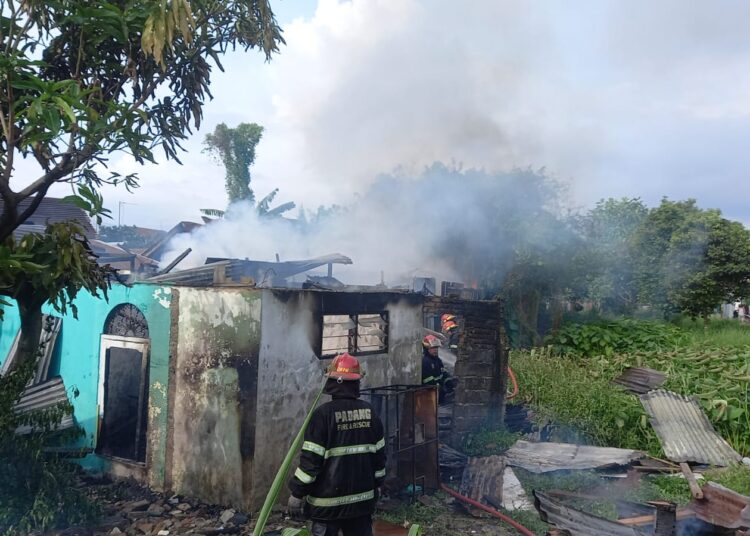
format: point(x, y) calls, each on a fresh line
point(358, 334)
point(126, 320)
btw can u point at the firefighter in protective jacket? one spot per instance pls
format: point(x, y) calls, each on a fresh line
point(342, 463)
point(433, 370)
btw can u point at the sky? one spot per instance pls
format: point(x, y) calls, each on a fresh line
point(638, 99)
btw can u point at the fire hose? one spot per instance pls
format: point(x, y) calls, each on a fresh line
point(513, 379)
point(284, 469)
point(515, 524)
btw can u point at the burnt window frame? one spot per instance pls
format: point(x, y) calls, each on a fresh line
point(353, 335)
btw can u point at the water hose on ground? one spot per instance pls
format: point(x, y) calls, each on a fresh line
point(515, 524)
point(513, 379)
point(278, 481)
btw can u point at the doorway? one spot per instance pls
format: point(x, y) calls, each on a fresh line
point(123, 386)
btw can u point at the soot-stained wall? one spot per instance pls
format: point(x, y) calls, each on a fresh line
point(214, 369)
point(290, 373)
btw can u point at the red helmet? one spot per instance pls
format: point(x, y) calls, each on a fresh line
point(430, 341)
point(446, 317)
point(344, 367)
point(450, 325)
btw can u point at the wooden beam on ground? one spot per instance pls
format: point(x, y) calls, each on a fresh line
point(695, 489)
point(682, 513)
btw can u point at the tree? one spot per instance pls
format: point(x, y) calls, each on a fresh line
point(690, 260)
point(83, 79)
point(606, 257)
point(49, 268)
point(235, 149)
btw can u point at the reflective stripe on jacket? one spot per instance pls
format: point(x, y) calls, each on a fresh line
point(342, 460)
point(433, 371)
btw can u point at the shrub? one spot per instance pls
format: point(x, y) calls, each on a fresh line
point(611, 337)
point(38, 490)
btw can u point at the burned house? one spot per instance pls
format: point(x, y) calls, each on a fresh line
point(200, 389)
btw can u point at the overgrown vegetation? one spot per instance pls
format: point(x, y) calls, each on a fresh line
point(709, 361)
point(36, 491)
point(581, 401)
point(610, 337)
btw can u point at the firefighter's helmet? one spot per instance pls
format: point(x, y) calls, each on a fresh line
point(447, 317)
point(345, 367)
point(449, 326)
point(430, 341)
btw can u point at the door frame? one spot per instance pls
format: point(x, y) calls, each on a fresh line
point(128, 343)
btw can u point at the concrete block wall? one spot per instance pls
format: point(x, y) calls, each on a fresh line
point(481, 364)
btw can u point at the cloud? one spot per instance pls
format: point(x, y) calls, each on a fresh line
point(621, 98)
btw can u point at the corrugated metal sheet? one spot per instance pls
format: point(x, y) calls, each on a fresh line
point(641, 379)
point(48, 337)
point(546, 457)
point(580, 523)
point(265, 274)
point(723, 507)
point(685, 433)
point(43, 396)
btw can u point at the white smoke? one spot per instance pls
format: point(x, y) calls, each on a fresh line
point(446, 223)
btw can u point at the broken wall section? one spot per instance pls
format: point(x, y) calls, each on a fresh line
point(481, 363)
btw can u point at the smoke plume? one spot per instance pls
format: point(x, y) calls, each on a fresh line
point(446, 223)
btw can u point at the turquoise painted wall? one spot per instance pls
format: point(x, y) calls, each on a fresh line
point(77, 361)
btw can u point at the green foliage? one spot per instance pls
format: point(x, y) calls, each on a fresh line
point(608, 277)
point(235, 149)
point(488, 442)
point(88, 78)
point(724, 333)
point(56, 266)
point(690, 260)
point(575, 390)
point(671, 488)
point(616, 336)
point(578, 396)
point(674, 258)
point(736, 477)
point(129, 236)
point(36, 493)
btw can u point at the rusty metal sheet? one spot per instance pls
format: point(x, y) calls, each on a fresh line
point(546, 457)
point(483, 477)
point(685, 432)
point(641, 379)
point(723, 507)
point(580, 523)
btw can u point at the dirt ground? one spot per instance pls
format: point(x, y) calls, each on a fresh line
point(131, 510)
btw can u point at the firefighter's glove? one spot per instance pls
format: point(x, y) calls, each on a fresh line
point(296, 508)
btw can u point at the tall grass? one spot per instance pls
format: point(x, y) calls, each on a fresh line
point(708, 360)
point(722, 333)
point(580, 397)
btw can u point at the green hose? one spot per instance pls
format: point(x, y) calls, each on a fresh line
point(273, 493)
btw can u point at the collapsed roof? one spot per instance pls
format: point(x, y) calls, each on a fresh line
point(260, 273)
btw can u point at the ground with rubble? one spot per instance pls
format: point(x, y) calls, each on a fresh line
point(132, 510)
